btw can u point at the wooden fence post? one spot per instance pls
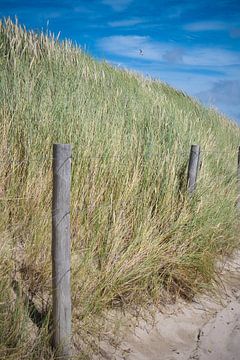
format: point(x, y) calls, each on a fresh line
point(238, 179)
point(193, 166)
point(61, 250)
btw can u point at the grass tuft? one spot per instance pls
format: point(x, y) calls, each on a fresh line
point(135, 233)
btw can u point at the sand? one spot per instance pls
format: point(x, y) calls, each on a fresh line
point(206, 329)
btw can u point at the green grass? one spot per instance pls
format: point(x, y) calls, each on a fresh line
point(136, 235)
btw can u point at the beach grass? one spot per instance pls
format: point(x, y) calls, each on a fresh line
point(136, 234)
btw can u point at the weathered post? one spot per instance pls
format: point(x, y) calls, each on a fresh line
point(193, 166)
point(238, 180)
point(61, 250)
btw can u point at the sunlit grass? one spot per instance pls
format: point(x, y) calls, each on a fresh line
point(135, 233)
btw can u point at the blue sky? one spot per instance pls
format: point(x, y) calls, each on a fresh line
point(194, 45)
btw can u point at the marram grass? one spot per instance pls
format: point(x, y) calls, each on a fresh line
point(136, 235)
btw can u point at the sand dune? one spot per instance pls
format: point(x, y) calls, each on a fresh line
point(206, 329)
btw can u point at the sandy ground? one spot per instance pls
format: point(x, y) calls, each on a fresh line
point(206, 329)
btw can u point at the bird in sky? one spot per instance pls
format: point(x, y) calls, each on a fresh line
point(141, 52)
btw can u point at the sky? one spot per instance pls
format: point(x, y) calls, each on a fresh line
point(193, 45)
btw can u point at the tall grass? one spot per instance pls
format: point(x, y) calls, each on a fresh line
point(135, 233)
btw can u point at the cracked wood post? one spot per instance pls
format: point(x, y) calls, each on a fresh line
point(61, 290)
point(238, 180)
point(193, 167)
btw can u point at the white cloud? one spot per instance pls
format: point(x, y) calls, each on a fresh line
point(223, 91)
point(177, 10)
point(117, 5)
point(128, 46)
point(126, 23)
point(232, 29)
point(211, 57)
point(174, 55)
point(206, 26)
point(223, 94)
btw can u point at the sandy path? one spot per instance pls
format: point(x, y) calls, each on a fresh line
point(220, 338)
point(206, 329)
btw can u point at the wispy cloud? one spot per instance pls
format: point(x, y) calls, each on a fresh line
point(233, 29)
point(126, 22)
point(235, 33)
point(174, 55)
point(175, 13)
point(206, 26)
point(223, 91)
point(224, 95)
point(176, 9)
point(128, 46)
point(117, 5)
point(204, 56)
point(81, 9)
